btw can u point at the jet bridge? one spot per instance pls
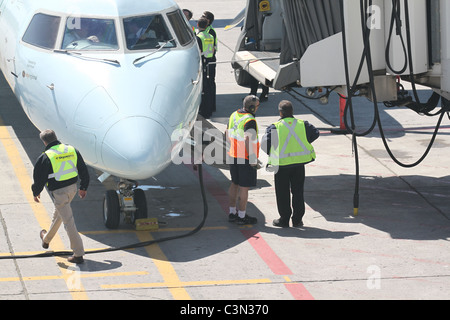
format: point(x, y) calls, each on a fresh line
point(299, 43)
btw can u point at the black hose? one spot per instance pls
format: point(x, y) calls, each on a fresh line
point(349, 105)
point(371, 76)
point(396, 19)
point(377, 120)
point(130, 246)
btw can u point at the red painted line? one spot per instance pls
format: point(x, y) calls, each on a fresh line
point(298, 291)
point(278, 267)
point(266, 253)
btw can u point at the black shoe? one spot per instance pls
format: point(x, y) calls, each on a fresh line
point(246, 220)
point(278, 223)
point(232, 217)
point(42, 235)
point(263, 97)
point(297, 224)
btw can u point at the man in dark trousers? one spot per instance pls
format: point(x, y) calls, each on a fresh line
point(59, 167)
point(254, 84)
point(212, 65)
point(205, 42)
point(288, 144)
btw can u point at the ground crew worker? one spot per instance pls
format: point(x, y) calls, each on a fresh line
point(288, 144)
point(242, 134)
point(212, 66)
point(59, 168)
point(206, 44)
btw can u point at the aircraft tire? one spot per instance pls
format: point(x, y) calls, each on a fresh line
point(111, 210)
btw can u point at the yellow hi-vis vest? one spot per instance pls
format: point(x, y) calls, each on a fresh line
point(207, 43)
point(236, 126)
point(64, 162)
point(293, 146)
point(215, 39)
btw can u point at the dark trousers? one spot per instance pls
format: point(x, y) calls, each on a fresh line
point(290, 180)
point(208, 103)
point(254, 84)
point(212, 81)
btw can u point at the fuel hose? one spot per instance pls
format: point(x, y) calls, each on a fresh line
point(129, 246)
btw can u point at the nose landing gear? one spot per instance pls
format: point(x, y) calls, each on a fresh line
point(128, 200)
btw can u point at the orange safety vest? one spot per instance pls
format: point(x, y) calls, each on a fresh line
point(236, 126)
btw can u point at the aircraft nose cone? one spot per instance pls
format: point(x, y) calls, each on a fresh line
point(136, 148)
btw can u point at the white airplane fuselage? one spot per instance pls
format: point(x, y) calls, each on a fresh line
point(119, 112)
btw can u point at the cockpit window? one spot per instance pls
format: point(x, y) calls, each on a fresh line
point(147, 32)
point(42, 31)
point(183, 31)
point(89, 34)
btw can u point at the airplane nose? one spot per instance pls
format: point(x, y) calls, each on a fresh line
point(136, 147)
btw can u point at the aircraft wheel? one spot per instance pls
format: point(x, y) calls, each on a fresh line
point(111, 210)
point(141, 204)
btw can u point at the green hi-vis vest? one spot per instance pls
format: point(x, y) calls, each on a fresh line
point(208, 44)
point(215, 39)
point(64, 162)
point(293, 146)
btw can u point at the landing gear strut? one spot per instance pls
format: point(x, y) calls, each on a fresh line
point(128, 200)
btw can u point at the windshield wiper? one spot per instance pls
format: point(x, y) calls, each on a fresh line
point(73, 53)
point(147, 55)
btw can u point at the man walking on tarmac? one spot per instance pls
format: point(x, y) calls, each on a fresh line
point(242, 135)
point(59, 167)
point(288, 144)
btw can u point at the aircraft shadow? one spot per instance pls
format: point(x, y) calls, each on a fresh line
point(174, 197)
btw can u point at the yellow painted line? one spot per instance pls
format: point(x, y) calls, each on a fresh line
point(94, 275)
point(165, 268)
point(15, 279)
point(39, 210)
point(184, 284)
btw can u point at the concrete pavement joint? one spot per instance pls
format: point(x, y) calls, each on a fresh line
point(11, 250)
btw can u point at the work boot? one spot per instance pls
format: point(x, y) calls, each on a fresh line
point(74, 259)
point(263, 97)
point(279, 223)
point(297, 224)
point(232, 217)
point(246, 220)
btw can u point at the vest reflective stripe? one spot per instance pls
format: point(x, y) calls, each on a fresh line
point(215, 38)
point(236, 126)
point(64, 162)
point(207, 43)
point(236, 120)
point(294, 145)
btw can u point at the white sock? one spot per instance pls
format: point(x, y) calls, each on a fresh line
point(241, 214)
point(232, 210)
